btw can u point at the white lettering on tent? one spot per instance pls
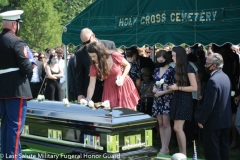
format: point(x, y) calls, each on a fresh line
point(142, 20)
point(163, 17)
point(214, 13)
point(184, 16)
point(208, 16)
point(158, 18)
point(196, 16)
point(126, 22)
point(153, 20)
point(121, 22)
point(178, 17)
point(202, 16)
point(147, 19)
point(189, 16)
point(172, 17)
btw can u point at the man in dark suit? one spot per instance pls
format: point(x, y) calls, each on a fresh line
point(36, 78)
point(215, 116)
point(72, 95)
point(83, 66)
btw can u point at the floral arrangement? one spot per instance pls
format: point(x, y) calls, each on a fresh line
point(93, 106)
point(40, 98)
point(232, 93)
point(66, 102)
point(83, 102)
point(158, 83)
point(119, 81)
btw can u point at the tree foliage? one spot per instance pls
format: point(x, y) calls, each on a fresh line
point(44, 19)
point(41, 28)
point(68, 9)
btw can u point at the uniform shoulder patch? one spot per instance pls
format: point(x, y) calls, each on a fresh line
point(25, 51)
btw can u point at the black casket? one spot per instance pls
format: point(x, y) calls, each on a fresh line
point(79, 129)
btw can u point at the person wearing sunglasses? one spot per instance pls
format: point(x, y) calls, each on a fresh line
point(37, 77)
point(42, 58)
point(83, 65)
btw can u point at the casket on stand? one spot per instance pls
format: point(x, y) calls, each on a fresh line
point(78, 129)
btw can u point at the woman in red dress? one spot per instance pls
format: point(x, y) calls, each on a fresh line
point(108, 65)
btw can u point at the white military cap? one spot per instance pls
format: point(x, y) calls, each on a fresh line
point(13, 15)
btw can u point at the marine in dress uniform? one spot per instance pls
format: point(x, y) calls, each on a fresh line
point(14, 84)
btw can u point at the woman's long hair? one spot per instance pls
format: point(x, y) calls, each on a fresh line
point(181, 76)
point(102, 56)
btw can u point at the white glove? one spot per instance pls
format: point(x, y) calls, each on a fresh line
point(119, 81)
point(232, 93)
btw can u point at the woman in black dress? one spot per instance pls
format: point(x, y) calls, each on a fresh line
point(185, 83)
point(54, 73)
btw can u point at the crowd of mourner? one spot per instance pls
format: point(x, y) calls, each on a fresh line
point(169, 83)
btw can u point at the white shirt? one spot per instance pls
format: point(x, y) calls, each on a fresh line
point(35, 76)
point(62, 67)
point(214, 72)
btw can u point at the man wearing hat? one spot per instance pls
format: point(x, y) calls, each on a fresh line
point(15, 65)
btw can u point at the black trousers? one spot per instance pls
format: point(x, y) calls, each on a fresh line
point(35, 88)
point(216, 144)
point(97, 96)
point(53, 90)
point(190, 126)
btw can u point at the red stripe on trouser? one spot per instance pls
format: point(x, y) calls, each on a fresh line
point(19, 127)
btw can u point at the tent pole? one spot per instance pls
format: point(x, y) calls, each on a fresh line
point(153, 56)
point(65, 68)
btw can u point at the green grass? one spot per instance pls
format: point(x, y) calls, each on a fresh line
point(173, 147)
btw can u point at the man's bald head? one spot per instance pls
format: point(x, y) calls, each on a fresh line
point(87, 36)
point(86, 32)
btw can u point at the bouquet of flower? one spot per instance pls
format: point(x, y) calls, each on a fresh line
point(83, 102)
point(66, 102)
point(158, 83)
point(40, 98)
point(119, 81)
point(93, 106)
point(232, 93)
point(106, 104)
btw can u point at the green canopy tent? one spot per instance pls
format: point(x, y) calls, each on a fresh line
point(139, 22)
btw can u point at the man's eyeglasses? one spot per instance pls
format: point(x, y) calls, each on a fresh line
point(35, 56)
point(84, 43)
point(41, 57)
